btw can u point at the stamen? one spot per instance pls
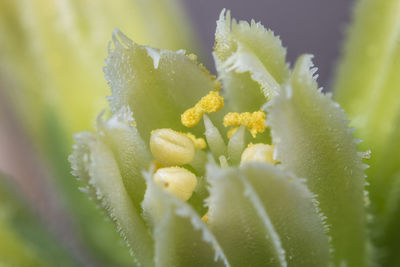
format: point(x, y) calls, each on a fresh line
point(254, 122)
point(171, 148)
point(176, 180)
point(258, 153)
point(210, 103)
point(199, 143)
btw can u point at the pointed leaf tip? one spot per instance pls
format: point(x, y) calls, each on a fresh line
point(250, 61)
point(157, 85)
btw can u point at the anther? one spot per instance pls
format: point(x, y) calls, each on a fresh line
point(258, 153)
point(171, 148)
point(177, 181)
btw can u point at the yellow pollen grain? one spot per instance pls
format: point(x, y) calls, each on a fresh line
point(199, 143)
point(217, 85)
point(254, 122)
point(193, 58)
point(205, 217)
point(212, 102)
point(232, 131)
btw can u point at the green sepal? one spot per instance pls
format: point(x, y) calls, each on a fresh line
point(250, 61)
point(239, 222)
point(157, 85)
point(131, 153)
point(367, 86)
point(93, 161)
point(181, 237)
point(293, 211)
point(312, 139)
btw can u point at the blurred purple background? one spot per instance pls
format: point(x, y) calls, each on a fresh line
point(305, 26)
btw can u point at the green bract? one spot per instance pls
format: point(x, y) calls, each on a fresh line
point(307, 210)
point(367, 85)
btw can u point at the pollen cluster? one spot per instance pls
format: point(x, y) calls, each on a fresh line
point(254, 122)
point(199, 143)
point(212, 102)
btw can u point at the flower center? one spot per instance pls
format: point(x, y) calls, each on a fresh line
point(173, 150)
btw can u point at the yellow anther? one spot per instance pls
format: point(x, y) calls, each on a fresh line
point(209, 103)
point(258, 153)
point(199, 143)
point(205, 217)
point(254, 122)
point(176, 180)
point(171, 148)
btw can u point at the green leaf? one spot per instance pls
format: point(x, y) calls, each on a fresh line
point(367, 86)
point(157, 85)
point(181, 237)
point(385, 196)
point(313, 140)
point(389, 234)
point(250, 61)
point(239, 222)
point(367, 80)
point(94, 162)
point(293, 211)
